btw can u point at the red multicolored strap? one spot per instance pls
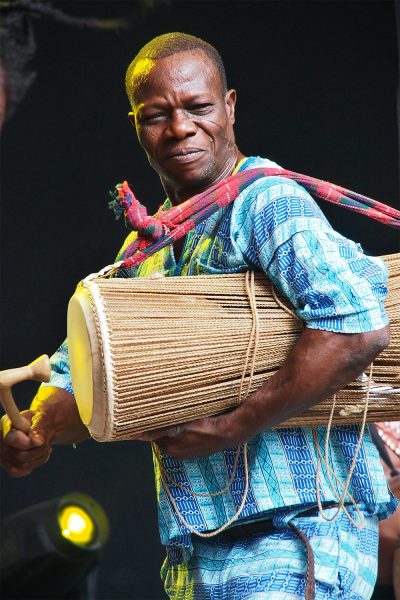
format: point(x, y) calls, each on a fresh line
point(154, 233)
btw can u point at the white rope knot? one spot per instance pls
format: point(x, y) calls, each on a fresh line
point(351, 409)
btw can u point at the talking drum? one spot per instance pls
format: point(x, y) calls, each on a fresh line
point(151, 352)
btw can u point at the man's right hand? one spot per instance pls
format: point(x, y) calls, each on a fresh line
point(54, 419)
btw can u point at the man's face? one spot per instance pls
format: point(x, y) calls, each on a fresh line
point(184, 121)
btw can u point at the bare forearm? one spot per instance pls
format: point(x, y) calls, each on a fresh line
point(320, 364)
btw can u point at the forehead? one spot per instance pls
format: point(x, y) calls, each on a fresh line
point(184, 72)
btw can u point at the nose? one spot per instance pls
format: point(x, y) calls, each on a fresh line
point(181, 125)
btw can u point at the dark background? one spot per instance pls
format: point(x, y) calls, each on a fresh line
point(316, 88)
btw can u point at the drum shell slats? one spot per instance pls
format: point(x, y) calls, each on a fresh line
point(176, 348)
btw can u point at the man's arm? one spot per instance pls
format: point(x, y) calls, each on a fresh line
point(332, 286)
point(55, 420)
point(320, 364)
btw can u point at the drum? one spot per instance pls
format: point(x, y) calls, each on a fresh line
point(151, 352)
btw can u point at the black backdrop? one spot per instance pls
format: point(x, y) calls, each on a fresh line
point(317, 93)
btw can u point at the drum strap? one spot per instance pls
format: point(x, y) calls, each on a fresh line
point(154, 233)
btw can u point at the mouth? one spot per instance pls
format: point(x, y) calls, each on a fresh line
point(184, 155)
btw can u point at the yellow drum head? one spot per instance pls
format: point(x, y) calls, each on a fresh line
point(80, 352)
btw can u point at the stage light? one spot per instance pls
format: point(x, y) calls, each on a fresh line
point(76, 525)
point(48, 550)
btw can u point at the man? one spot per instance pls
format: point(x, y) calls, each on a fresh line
point(184, 114)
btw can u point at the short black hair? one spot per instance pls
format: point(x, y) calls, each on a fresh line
point(163, 46)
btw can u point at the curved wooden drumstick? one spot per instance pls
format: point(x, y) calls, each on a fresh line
point(38, 370)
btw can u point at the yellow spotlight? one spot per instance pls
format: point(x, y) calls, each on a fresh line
point(76, 525)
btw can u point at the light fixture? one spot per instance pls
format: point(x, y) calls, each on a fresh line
point(48, 550)
point(76, 525)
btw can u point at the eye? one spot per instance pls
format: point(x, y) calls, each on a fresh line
point(151, 118)
point(200, 109)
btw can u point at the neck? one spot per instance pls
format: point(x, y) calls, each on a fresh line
point(178, 195)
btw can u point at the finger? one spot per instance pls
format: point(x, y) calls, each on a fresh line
point(7, 429)
point(156, 434)
point(6, 422)
point(172, 447)
point(23, 461)
point(17, 439)
point(16, 471)
point(12, 468)
point(148, 436)
point(32, 456)
point(36, 439)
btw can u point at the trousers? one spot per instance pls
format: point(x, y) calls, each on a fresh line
point(273, 565)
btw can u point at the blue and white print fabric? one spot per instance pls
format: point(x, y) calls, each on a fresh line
point(272, 566)
point(274, 226)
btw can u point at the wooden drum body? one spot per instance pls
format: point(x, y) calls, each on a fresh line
point(146, 353)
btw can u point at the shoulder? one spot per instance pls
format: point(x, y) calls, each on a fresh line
point(253, 162)
point(274, 201)
point(274, 189)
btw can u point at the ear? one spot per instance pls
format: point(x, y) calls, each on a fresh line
point(132, 118)
point(230, 103)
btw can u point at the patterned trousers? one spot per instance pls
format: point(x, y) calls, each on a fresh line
point(273, 565)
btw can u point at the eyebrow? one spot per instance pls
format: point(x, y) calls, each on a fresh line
point(200, 97)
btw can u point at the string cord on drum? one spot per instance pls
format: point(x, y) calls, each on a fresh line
point(324, 459)
point(330, 472)
point(331, 475)
point(165, 476)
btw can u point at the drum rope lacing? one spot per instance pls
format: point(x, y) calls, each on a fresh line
point(341, 500)
point(253, 342)
point(323, 459)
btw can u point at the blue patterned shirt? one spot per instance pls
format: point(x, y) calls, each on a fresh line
point(273, 226)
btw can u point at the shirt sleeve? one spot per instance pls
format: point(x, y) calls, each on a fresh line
point(60, 372)
point(330, 282)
